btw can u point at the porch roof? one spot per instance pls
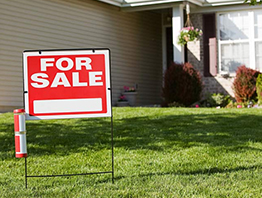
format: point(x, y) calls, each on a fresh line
point(145, 3)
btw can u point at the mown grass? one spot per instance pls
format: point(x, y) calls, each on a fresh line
point(159, 152)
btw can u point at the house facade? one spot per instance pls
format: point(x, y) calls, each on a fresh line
point(141, 36)
point(232, 37)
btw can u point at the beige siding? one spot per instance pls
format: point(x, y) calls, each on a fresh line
point(133, 38)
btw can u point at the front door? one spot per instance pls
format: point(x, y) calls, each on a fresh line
point(169, 46)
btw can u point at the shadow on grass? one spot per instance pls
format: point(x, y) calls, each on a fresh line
point(172, 131)
point(209, 171)
point(183, 131)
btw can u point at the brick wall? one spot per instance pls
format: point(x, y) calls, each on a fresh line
point(217, 84)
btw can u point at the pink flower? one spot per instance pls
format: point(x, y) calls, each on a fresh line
point(122, 98)
point(129, 89)
point(186, 28)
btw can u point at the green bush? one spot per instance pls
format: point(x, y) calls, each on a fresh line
point(248, 104)
point(183, 84)
point(175, 104)
point(218, 99)
point(259, 88)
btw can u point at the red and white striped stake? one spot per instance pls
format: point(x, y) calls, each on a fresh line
point(20, 133)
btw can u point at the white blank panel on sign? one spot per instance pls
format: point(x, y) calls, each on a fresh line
point(65, 105)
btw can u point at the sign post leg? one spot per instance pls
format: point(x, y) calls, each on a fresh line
point(25, 173)
point(112, 142)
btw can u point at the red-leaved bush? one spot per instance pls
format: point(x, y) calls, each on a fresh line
point(244, 85)
point(183, 84)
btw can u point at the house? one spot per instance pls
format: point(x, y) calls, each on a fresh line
point(141, 36)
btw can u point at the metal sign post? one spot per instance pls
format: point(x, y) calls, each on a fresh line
point(68, 83)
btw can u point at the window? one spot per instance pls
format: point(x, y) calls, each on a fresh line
point(234, 55)
point(257, 25)
point(258, 38)
point(240, 40)
point(259, 56)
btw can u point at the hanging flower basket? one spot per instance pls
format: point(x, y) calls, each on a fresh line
point(189, 34)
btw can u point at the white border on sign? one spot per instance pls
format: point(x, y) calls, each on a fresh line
point(104, 52)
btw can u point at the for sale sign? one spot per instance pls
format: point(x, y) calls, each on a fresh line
point(67, 83)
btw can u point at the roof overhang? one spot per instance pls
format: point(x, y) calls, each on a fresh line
point(137, 3)
point(141, 3)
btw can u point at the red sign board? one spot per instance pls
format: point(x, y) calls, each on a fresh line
point(67, 83)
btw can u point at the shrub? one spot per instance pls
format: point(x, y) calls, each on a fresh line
point(175, 104)
point(248, 104)
point(244, 84)
point(259, 88)
point(183, 84)
point(218, 100)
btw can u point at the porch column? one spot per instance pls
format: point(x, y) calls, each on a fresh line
point(177, 25)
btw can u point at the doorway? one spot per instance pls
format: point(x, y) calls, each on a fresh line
point(169, 46)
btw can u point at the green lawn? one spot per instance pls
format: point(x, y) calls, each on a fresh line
point(159, 152)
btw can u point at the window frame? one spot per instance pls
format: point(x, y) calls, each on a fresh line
point(251, 40)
